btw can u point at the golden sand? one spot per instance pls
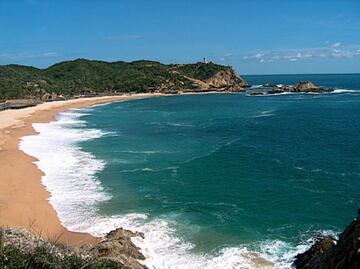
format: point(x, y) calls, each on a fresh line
point(23, 199)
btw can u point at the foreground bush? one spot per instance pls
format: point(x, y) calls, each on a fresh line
point(43, 258)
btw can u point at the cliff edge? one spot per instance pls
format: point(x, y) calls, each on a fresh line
point(328, 253)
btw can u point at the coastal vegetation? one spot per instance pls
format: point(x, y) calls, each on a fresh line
point(90, 78)
point(20, 249)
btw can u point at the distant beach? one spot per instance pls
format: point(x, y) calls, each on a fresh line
point(23, 198)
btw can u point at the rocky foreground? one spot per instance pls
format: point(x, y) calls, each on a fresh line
point(20, 249)
point(328, 253)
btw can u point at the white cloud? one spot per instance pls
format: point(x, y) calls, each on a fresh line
point(337, 50)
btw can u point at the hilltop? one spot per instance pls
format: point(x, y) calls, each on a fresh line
point(91, 78)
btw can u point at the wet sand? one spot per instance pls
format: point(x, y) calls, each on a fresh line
point(23, 198)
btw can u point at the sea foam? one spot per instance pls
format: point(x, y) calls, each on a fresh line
point(69, 172)
point(70, 177)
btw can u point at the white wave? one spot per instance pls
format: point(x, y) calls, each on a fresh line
point(164, 250)
point(104, 104)
point(273, 94)
point(69, 172)
point(179, 124)
point(148, 169)
point(144, 151)
point(344, 91)
point(70, 177)
point(267, 113)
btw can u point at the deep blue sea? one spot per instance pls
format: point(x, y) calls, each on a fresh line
point(214, 180)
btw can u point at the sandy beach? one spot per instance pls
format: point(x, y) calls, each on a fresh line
point(23, 199)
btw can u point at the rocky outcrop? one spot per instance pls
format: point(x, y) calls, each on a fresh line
point(20, 246)
point(17, 104)
point(236, 88)
point(301, 87)
point(49, 97)
point(328, 253)
point(224, 80)
point(117, 246)
point(305, 86)
point(282, 89)
point(257, 92)
point(227, 79)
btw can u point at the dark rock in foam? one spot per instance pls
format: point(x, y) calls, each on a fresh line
point(328, 253)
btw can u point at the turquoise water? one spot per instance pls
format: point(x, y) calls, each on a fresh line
point(221, 172)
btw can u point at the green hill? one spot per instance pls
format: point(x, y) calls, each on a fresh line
point(89, 77)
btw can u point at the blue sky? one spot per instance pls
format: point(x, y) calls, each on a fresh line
point(254, 36)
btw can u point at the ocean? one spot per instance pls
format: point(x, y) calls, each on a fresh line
point(214, 180)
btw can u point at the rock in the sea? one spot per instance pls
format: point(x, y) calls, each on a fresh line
point(117, 246)
point(282, 89)
point(308, 86)
point(302, 87)
point(305, 86)
point(257, 92)
point(328, 253)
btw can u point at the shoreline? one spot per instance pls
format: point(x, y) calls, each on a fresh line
point(23, 197)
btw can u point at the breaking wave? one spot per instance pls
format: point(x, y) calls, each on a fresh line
point(70, 177)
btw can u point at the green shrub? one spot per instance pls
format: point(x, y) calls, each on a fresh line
point(43, 258)
point(13, 258)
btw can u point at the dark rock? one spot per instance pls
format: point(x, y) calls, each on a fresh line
point(311, 256)
point(282, 89)
point(327, 253)
point(302, 87)
point(257, 92)
point(307, 86)
point(49, 97)
point(235, 88)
